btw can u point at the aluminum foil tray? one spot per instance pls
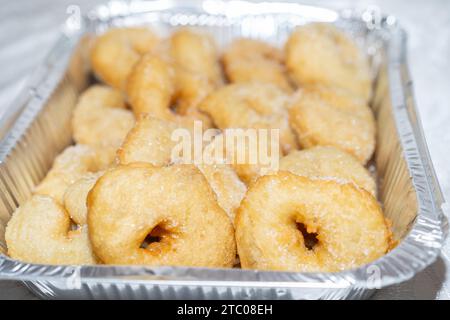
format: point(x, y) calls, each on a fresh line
point(38, 127)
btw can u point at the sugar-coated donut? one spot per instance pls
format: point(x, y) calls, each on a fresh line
point(292, 223)
point(174, 204)
point(150, 141)
point(250, 60)
point(115, 52)
point(76, 194)
point(100, 117)
point(319, 53)
point(40, 232)
point(72, 164)
point(329, 162)
point(325, 116)
point(152, 89)
point(195, 58)
point(251, 105)
point(227, 186)
point(249, 160)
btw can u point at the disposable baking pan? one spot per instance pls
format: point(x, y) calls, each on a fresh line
point(38, 127)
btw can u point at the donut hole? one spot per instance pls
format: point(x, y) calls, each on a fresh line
point(155, 237)
point(73, 226)
point(310, 239)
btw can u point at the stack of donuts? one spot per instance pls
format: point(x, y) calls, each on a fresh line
point(117, 195)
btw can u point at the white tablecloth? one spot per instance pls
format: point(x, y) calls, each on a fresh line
point(30, 27)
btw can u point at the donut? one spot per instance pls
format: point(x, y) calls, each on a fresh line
point(150, 142)
point(76, 194)
point(329, 162)
point(325, 116)
point(100, 117)
point(115, 52)
point(292, 223)
point(250, 60)
point(40, 232)
point(152, 89)
point(72, 164)
point(248, 161)
point(132, 205)
point(151, 86)
point(196, 51)
point(227, 186)
point(320, 54)
point(251, 105)
point(195, 57)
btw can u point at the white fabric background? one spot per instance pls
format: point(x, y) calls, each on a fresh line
point(28, 29)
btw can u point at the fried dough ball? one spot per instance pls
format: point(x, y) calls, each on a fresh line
point(72, 164)
point(329, 162)
point(251, 106)
point(152, 89)
point(194, 55)
point(323, 116)
point(292, 223)
point(115, 52)
point(249, 60)
point(174, 204)
point(76, 195)
point(40, 232)
point(319, 53)
point(151, 141)
point(100, 117)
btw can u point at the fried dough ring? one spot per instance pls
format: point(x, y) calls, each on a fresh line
point(72, 164)
point(76, 195)
point(329, 162)
point(152, 87)
point(129, 202)
point(348, 222)
point(40, 232)
point(115, 52)
point(100, 117)
point(333, 117)
point(244, 159)
point(194, 55)
point(251, 105)
point(319, 53)
point(249, 60)
point(150, 141)
point(227, 186)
